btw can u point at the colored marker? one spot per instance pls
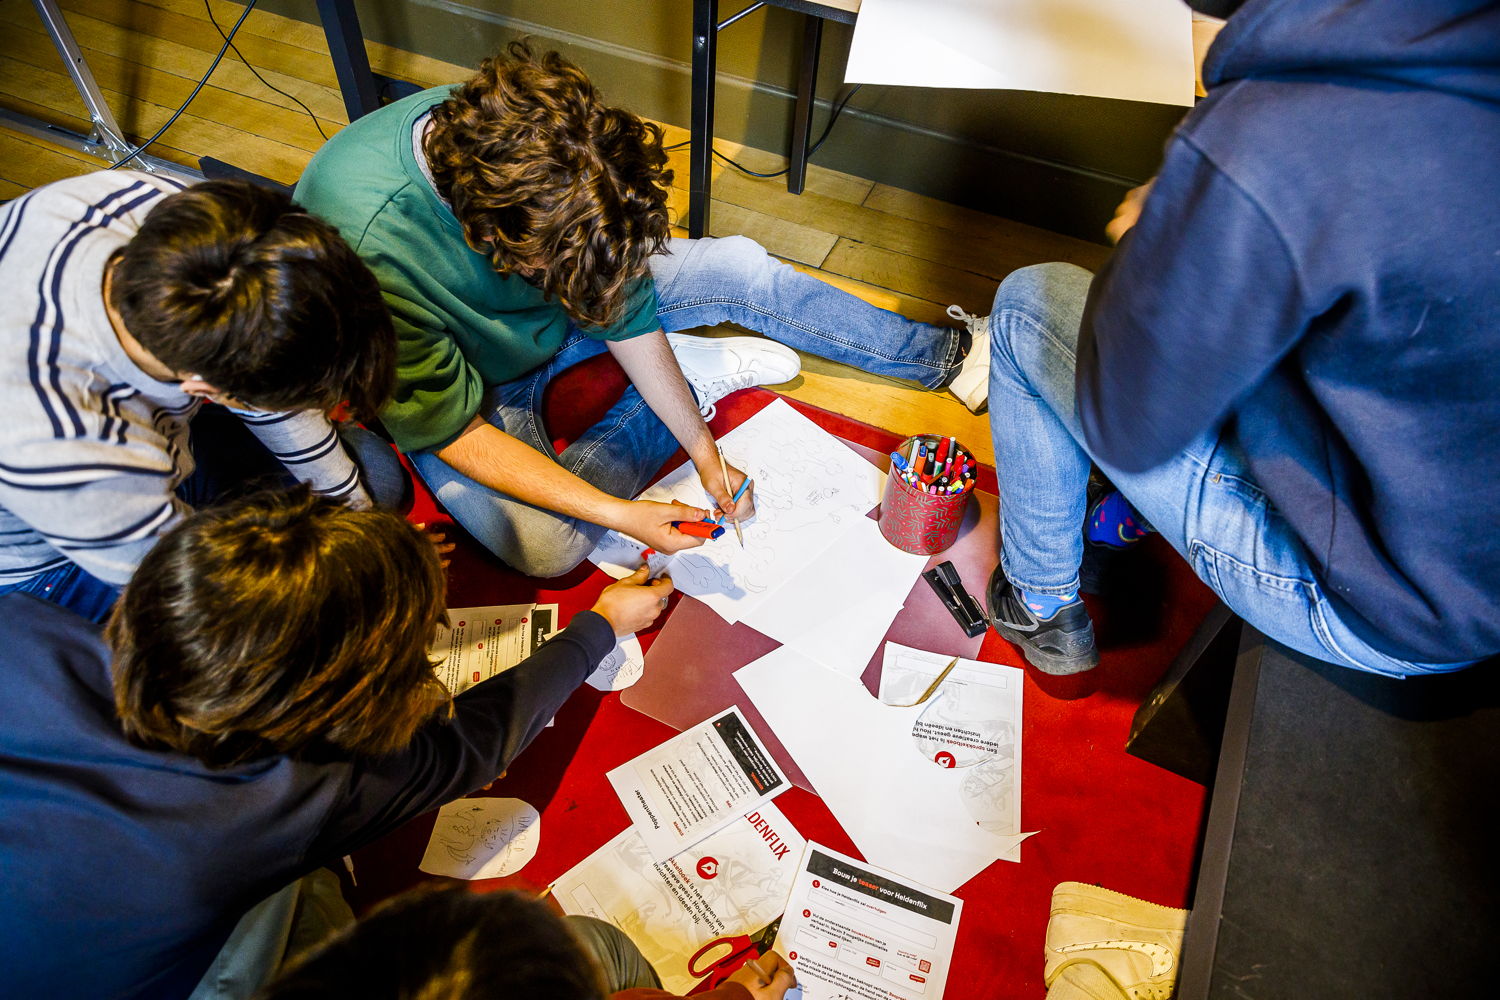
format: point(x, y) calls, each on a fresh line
point(699, 529)
point(735, 500)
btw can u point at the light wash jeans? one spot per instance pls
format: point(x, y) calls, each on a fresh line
point(698, 283)
point(1204, 501)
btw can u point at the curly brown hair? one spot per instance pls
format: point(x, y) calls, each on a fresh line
point(551, 184)
point(282, 623)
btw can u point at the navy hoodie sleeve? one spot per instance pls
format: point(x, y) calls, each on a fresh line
point(1199, 301)
point(492, 723)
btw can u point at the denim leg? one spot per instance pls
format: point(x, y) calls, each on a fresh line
point(71, 586)
point(1203, 501)
point(1042, 470)
point(618, 455)
point(733, 280)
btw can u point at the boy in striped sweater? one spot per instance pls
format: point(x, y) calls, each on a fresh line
point(129, 300)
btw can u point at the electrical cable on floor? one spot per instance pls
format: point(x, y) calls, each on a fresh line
point(838, 109)
point(236, 50)
point(228, 41)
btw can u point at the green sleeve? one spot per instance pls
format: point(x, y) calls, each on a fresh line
point(638, 317)
point(437, 390)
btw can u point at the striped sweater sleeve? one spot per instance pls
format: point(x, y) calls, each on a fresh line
point(308, 444)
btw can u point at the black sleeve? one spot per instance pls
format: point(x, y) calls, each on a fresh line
point(1198, 303)
point(492, 723)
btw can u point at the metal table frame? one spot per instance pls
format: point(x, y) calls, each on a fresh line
point(706, 28)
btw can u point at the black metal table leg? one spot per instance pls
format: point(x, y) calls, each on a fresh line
point(812, 42)
point(700, 152)
point(351, 64)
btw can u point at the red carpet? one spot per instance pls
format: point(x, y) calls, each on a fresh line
point(1104, 816)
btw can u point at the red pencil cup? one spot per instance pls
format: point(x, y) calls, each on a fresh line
point(922, 523)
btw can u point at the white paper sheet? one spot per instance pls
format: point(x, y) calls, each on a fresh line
point(733, 882)
point(482, 838)
point(622, 667)
point(972, 722)
point(696, 783)
point(861, 580)
point(809, 488)
point(854, 930)
point(901, 811)
point(1134, 50)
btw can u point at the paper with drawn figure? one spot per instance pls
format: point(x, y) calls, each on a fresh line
point(622, 667)
point(809, 488)
point(696, 783)
point(972, 722)
point(1133, 50)
point(733, 882)
point(903, 812)
point(482, 838)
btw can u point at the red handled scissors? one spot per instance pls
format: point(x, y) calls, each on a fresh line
point(722, 957)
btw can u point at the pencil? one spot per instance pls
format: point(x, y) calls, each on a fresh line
point(544, 893)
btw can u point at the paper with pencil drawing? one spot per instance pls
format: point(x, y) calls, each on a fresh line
point(809, 488)
point(622, 667)
point(902, 810)
point(482, 838)
point(1133, 50)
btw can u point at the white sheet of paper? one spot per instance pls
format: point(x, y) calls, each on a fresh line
point(855, 930)
point(622, 667)
point(696, 783)
point(809, 487)
point(482, 838)
point(733, 882)
point(861, 579)
point(848, 639)
point(901, 811)
point(1133, 50)
point(972, 722)
point(479, 643)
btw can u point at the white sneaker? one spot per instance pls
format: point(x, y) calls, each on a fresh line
point(1137, 943)
point(717, 366)
point(972, 384)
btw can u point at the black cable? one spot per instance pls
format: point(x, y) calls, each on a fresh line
point(838, 109)
point(236, 50)
point(178, 113)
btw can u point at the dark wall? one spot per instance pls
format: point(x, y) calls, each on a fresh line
point(1052, 160)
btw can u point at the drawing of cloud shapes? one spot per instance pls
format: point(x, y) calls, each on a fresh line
point(482, 838)
point(622, 667)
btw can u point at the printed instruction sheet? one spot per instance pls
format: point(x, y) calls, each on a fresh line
point(478, 643)
point(733, 882)
point(809, 488)
point(972, 722)
point(857, 932)
point(697, 783)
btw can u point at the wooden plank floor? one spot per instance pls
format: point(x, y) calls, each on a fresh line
point(899, 250)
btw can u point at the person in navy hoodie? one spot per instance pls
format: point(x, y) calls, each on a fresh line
point(260, 705)
point(1290, 367)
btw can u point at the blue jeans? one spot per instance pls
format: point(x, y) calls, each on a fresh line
point(1204, 501)
point(228, 460)
point(698, 283)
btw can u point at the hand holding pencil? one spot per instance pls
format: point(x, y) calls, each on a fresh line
point(733, 491)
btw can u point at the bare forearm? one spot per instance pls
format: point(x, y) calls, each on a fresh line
point(495, 459)
point(652, 368)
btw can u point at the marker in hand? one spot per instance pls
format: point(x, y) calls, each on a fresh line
point(699, 529)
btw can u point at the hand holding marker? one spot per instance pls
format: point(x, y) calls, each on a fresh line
point(713, 527)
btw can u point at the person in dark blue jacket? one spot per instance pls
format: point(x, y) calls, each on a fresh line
point(261, 705)
point(1290, 367)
